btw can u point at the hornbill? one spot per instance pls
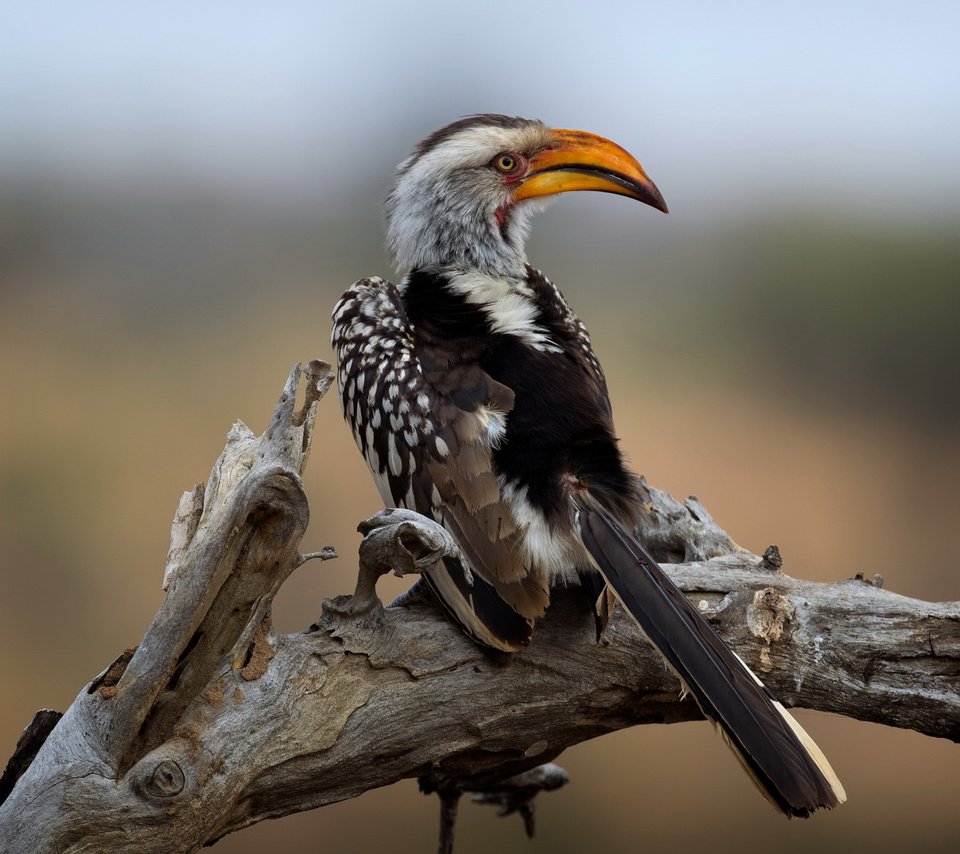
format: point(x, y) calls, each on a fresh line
point(474, 394)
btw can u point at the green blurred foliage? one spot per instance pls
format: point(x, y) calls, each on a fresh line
point(857, 316)
point(854, 314)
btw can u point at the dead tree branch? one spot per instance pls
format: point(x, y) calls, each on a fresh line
point(216, 722)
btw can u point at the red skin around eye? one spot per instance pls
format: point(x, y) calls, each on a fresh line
point(510, 179)
point(518, 173)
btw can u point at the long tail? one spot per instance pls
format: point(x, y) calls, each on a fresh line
point(783, 761)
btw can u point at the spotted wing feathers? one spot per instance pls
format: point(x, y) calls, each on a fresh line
point(426, 428)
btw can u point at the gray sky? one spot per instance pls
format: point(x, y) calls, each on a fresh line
point(730, 106)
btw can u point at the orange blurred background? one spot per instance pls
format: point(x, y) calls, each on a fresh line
point(184, 195)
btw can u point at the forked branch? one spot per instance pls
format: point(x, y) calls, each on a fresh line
point(216, 722)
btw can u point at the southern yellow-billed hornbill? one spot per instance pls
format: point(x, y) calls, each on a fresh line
point(474, 394)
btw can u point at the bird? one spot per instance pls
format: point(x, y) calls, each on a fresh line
point(474, 394)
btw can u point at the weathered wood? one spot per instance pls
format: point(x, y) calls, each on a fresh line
point(216, 722)
point(28, 745)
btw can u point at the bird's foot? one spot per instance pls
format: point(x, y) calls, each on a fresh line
point(398, 541)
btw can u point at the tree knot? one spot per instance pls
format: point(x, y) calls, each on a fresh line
point(165, 780)
point(769, 617)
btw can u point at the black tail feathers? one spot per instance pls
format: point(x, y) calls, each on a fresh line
point(783, 761)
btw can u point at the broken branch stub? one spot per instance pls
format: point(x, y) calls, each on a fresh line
point(239, 544)
point(233, 543)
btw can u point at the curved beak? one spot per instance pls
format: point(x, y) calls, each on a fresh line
point(585, 161)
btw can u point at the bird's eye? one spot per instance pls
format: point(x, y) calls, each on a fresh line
point(507, 163)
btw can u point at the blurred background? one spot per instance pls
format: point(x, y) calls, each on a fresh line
point(185, 189)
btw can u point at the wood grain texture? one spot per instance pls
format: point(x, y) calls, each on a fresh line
point(216, 722)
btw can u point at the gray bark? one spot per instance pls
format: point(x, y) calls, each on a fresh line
point(216, 722)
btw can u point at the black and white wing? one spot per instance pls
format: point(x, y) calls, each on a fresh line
point(429, 450)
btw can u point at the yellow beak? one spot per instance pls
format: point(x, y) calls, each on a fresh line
point(585, 161)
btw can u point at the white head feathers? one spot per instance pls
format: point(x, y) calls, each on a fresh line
point(443, 209)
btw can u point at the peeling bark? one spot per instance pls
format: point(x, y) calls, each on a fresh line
point(216, 722)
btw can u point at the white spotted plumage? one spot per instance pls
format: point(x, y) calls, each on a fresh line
point(378, 398)
point(376, 353)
